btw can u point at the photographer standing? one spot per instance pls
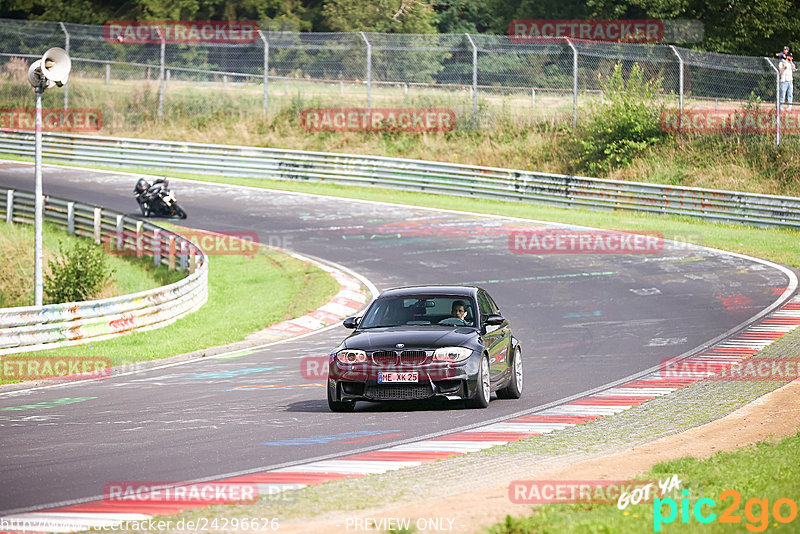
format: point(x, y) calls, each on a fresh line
point(787, 68)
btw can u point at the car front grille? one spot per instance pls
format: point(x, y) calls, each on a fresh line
point(413, 357)
point(399, 392)
point(384, 357)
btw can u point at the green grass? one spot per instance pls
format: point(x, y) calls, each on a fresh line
point(761, 471)
point(16, 272)
point(510, 132)
point(248, 293)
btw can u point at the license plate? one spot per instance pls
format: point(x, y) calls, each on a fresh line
point(398, 377)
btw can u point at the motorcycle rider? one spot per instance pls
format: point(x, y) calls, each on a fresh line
point(145, 192)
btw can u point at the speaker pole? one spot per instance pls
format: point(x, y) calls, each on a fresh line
point(39, 199)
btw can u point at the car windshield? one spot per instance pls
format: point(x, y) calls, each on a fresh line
point(422, 310)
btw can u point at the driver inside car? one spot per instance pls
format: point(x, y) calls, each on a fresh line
point(458, 314)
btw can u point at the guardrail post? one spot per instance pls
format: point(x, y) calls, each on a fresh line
point(138, 239)
point(266, 68)
point(71, 218)
point(474, 77)
point(184, 260)
point(156, 246)
point(574, 82)
point(777, 102)
point(192, 259)
point(120, 229)
point(10, 206)
point(369, 69)
point(66, 49)
point(171, 252)
point(98, 214)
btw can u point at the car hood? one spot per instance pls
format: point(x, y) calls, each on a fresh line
point(412, 338)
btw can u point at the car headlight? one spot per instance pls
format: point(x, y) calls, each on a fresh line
point(451, 354)
point(351, 356)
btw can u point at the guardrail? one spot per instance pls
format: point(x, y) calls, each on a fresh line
point(414, 175)
point(29, 328)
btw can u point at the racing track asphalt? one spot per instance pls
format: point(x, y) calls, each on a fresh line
point(583, 321)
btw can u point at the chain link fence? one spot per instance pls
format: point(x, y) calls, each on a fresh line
point(476, 75)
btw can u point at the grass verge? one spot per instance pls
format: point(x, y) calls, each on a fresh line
point(743, 471)
point(254, 292)
point(16, 271)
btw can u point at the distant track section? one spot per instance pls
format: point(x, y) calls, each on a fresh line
point(413, 175)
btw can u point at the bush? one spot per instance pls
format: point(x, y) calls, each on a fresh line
point(623, 126)
point(78, 274)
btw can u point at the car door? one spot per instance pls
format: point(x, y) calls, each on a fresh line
point(496, 338)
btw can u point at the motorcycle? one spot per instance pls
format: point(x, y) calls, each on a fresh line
point(156, 199)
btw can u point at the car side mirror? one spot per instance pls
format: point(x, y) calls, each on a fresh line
point(494, 319)
point(351, 322)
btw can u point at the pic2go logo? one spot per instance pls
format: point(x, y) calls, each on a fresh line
point(756, 511)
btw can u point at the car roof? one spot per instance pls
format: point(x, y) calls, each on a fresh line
point(461, 291)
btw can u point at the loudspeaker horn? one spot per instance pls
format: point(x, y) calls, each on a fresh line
point(56, 65)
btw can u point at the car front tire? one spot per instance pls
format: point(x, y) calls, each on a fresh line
point(514, 388)
point(339, 406)
point(483, 391)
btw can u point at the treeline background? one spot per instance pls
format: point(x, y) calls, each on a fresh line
point(747, 27)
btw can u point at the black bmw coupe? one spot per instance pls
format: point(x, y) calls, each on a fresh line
point(426, 342)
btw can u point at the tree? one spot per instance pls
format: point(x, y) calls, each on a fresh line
point(384, 16)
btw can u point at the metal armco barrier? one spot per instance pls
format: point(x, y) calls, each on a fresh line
point(414, 175)
point(31, 328)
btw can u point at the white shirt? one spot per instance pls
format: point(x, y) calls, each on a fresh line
point(786, 68)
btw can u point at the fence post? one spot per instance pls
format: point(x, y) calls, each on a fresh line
point(474, 76)
point(266, 68)
point(98, 218)
point(574, 82)
point(161, 73)
point(184, 259)
point(156, 246)
point(120, 229)
point(71, 218)
point(369, 69)
point(139, 239)
point(108, 73)
point(680, 83)
point(66, 49)
point(192, 259)
point(10, 206)
point(777, 102)
point(171, 248)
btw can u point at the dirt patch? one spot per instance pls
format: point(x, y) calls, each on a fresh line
point(771, 417)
